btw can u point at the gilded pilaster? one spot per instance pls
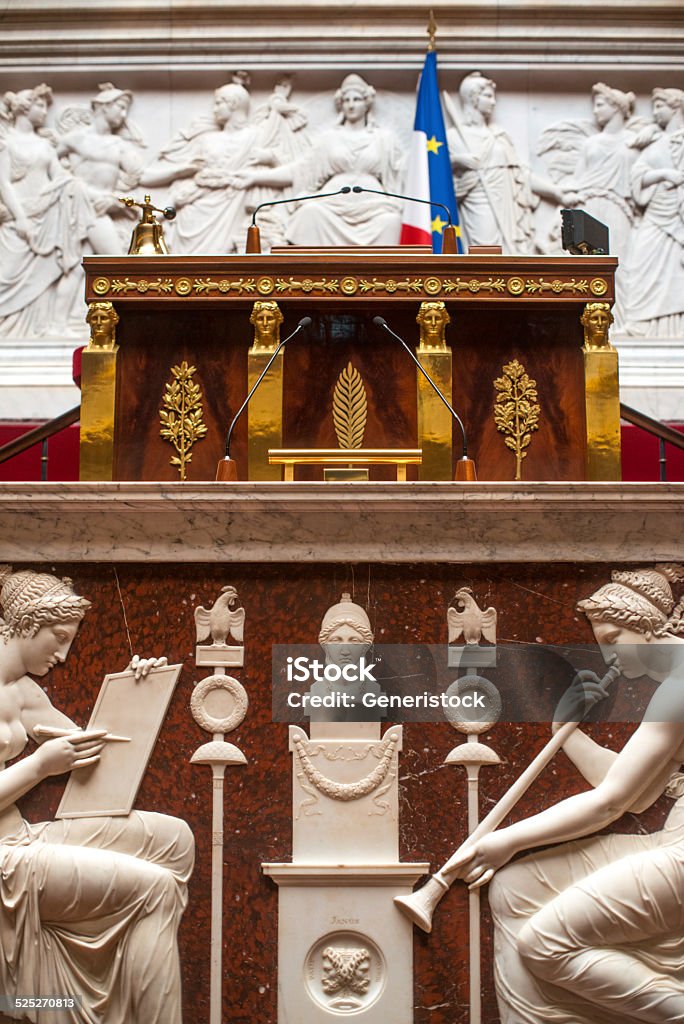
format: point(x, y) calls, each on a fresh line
point(602, 394)
point(98, 393)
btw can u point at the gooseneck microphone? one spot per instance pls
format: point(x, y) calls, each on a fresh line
point(253, 234)
point(465, 467)
point(449, 243)
point(226, 469)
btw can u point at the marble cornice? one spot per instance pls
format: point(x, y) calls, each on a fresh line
point(272, 522)
point(184, 34)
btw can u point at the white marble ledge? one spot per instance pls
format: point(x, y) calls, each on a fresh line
point(42, 35)
point(315, 522)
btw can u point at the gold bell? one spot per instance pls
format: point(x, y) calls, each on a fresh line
point(148, 238)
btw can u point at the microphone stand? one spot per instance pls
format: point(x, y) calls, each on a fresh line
point(226, 469)
point(253, 245)
point(465, 467)
point(449, 240)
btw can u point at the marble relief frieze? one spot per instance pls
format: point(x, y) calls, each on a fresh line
point(65, 164)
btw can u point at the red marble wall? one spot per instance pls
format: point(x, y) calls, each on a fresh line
point(407, 604)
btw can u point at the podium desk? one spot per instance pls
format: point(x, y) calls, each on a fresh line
point(194, 312)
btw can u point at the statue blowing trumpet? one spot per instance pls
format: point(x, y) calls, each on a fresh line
point(420, 905)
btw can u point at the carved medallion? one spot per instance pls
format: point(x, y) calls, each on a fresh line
point(345, 972)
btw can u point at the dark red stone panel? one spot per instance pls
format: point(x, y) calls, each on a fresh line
point(407, 604)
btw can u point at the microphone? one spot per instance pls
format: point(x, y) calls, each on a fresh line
point(253, 233)
point(449, 242)
point(226, 468)
point(465, 467)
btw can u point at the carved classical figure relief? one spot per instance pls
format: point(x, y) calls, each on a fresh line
point(654, 277)
point(356, 151)
point(345, 636)
point(592, 930)
point(592, 161)
point(493, 187)
point(202, 162)
point(83, 901)
point(106, 151)
point(45, 217)
point(199, 163)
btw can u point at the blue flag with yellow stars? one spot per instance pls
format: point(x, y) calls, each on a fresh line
point(429, 169)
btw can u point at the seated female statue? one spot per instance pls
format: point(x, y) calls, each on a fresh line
point(592, 931)
point(89, 907)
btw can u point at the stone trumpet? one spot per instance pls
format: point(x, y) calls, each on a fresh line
point(420, 905)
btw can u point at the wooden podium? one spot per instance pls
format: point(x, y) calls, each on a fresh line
point(184, 324)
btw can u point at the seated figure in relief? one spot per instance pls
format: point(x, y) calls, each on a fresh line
point(494, 189)
point(591, 931)
point(654, 275)
point(89, 907)
point(45, 217)
point(355, 152)
point(201, 163)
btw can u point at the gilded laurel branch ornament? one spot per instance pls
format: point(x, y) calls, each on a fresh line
point(516, 412)
point(350, 408)
point(181, 415)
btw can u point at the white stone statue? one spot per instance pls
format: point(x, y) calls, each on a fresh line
point(103, 149)
point(88, 906)
point(592, 162)
point(654, 278)
point(592, 931)
point(355, 152)
point(346, 636)
point(201, 164)
point(494, 189)
point(45, 216)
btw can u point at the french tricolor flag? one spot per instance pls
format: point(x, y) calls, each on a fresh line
point(429, 169)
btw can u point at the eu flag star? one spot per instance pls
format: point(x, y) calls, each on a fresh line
point(437, 224)
point(433, 145)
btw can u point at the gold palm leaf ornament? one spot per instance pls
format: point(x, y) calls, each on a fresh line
point(350, 408)
point(516, 412)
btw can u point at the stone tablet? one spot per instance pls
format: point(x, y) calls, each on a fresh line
point(128, 707)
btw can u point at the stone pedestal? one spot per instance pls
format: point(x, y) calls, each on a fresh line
point(343, 947)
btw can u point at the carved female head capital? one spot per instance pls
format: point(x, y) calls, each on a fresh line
point(102, 318)
point(266, 319)
point(433, 319)
point(596, 320)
